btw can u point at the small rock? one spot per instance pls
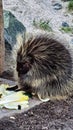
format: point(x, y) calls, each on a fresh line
point(71, 41)
point(57, 6)
point(66, 14)
point(12, 27)
point(65, 24)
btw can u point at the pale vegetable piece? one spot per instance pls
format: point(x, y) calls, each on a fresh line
point(4, 86)
point(16, 96)
point(43, 100)
point(11, 99)
point(14, 105)
point(12, 117)
point(3, 90)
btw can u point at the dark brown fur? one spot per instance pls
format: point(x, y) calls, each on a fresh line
point(44, 67)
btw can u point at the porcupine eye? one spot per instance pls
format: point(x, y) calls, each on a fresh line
point(23, 66)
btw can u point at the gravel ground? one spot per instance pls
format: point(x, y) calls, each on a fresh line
point(52, 115)
point(26, 11)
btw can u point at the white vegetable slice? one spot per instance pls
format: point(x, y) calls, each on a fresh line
point(16, 96)
point(3, 90)
point(11, 99)
point(14, 105)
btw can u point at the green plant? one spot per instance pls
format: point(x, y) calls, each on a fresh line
point(67, 29)
point(70, 5)
point(44, 25)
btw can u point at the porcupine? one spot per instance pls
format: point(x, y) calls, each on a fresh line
point(44, 67)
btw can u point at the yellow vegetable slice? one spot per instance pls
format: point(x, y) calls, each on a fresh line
point(11, 99)
point(16, 96)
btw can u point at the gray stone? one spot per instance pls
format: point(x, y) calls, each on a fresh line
point(71, 41)
point(57, 6)
point(12, 27)
point(65, 24)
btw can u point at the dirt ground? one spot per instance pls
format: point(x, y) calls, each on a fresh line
point(52, 115)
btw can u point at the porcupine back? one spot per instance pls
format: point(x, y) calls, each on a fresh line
point(45, 65)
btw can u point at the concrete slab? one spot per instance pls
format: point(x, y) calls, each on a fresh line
point(6, 112)
point(6, 81)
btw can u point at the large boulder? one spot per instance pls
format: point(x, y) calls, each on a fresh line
point(12, 27)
